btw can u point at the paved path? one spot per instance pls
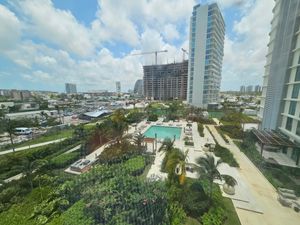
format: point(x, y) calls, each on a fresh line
point(264, 193)
point(31, 146)
point(73, 149)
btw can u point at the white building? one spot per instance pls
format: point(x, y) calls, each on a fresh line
point(207, 31)
point(31, 114)
point(280, 102)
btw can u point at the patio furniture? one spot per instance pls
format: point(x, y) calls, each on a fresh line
point(285, 190)
point(296, 206)
point(284, 201)
point(287, 197)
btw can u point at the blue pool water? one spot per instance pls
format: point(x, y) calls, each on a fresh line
point(163, 132)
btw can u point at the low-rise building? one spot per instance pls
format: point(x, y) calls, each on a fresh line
point(31, 114)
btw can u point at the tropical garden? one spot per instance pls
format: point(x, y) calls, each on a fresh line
point(115, 190)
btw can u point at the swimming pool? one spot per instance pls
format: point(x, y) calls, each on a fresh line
point(163, 132)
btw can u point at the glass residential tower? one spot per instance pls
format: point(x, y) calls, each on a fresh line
point(280, 101)
point(206, 50)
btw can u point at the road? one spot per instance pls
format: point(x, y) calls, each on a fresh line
point(31, 146)
point(263, 191)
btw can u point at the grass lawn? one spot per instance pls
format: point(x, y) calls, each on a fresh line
point(232, 217)
point(45, 138)
point(192, 221)
point(217, 115)
point(143, 176)
point(20, 213)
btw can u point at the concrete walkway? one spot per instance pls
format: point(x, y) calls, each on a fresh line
point(31, 146)
point(264, 193)
point(73, 149)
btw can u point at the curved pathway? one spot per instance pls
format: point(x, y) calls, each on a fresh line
point(264, 192)
point(31, 146)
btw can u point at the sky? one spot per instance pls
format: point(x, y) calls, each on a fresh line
point(47, 43)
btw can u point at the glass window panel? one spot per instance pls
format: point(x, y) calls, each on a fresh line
point(292, 108)
point(297, 78)
point(298, 129)
point(289, 123)
point(295, 92)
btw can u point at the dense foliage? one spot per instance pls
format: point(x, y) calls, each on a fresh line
point(225, 155)
point(233, 130)
point(201, 129)
point(152, 117)
point(236, 117)
point(118, 152)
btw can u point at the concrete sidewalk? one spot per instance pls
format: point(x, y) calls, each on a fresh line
point(31, 146)
point(263, 191)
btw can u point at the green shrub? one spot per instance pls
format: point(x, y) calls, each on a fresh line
point(225, 155)
point(237, 117)
point(134, 117)
point(222, 134)
point(175, 214)
point(153, 117)
point(195, 201)
point(201, 129)
point(117, 153)
point(233, 130)
point(64, 160)
point(215, 216)
point(135, 165)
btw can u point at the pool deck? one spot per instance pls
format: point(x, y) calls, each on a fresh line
point(194, 152)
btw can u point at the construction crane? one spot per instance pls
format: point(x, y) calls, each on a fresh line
point(183, 53)
point(154, 52)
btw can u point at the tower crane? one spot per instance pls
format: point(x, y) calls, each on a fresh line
point(183, 53)
point(153, 52)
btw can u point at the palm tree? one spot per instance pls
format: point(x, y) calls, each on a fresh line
point(180, 169)
point(209, 168)
point(29, 167)
point(119, 124)
point(138, 140)
point(10, 128)
point(167, 145)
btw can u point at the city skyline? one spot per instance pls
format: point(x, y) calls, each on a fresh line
point(93, 52)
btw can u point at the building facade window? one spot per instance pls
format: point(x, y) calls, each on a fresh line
point(295, 92)
point(298, 129)
point(297, 77)
point(289, 123)
point(292, 108)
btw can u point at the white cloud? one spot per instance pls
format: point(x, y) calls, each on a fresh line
point(144, 25)
point(10, 29)
point(232, 3)
point(244, 58)
point(57, 26)
point(170, 32)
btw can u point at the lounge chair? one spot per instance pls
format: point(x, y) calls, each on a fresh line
point(284, 201)
point(296, 206)
point(285, 190)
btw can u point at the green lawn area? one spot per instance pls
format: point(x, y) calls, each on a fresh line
point(45, 138)
point(20, 213)
point(74, 215)
point(192, 221)
point(217, 115)
point(232, 217)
